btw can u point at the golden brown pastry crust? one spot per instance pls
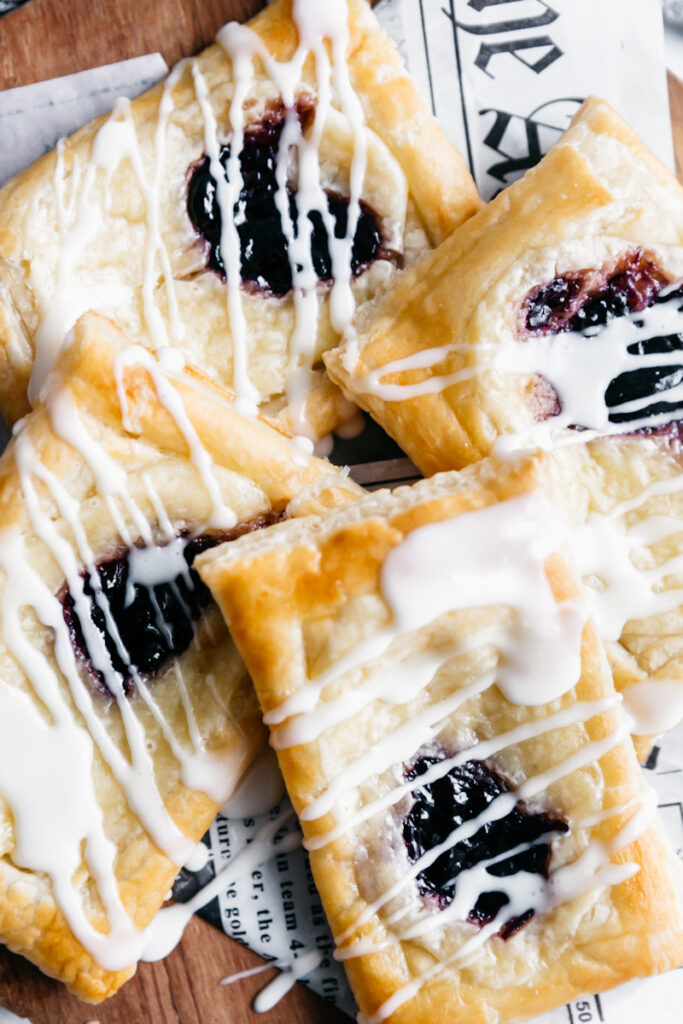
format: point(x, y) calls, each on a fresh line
point(256, 468)
point(297, 603)
point(406, 137)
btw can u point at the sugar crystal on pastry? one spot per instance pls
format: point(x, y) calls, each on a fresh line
point(452, 742)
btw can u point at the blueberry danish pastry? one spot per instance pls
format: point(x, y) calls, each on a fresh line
point(126, 715)
point(238, 212)
point(455, 749)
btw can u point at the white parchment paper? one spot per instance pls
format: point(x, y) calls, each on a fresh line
point(34, 117)
point(503, 77)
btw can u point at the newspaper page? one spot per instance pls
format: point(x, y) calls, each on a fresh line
point(504, 77)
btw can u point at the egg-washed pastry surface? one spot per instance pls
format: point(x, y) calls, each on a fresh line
point(455, 749)
point(239, 211)
point(126, 714)
point(555, 318)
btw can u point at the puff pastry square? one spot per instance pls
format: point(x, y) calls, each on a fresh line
point(145, 214)
point(559, 307)
point(126, 715)
point(451, 739)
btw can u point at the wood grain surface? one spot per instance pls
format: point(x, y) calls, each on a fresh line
point(41, 40)
point(676, 103)
point(47, 38)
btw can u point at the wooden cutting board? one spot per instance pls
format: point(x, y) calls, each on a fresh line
point(44, 39)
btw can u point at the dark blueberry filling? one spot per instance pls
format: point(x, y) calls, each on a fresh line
point(263, 245)
point(154, 623)
point(585, 300)
point(464, 793)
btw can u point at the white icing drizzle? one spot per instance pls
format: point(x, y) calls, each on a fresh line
point(160, 512)
point(581, 711)
point(581, 370)
point(227, 193)
point(251, 972)
point(77, 225)
point(64, 745)
point(591, 820)
point(150, 566)
point(323, 446)
point(654, 705)
point(115, 142)
point(290, 973)
point(352, 427)
point(200, 769)
point(592, 869)
point(79, 221)
point(523, 889)
point(199, 858)
point(397, 684)
point(604, 547)
point(109, 476)
point(260, 788)
point(495, 555)
point(80, 215)
point(155, 244)
point(291, 969)
point(168, 395)
point(315, 23)
point(497, 809)
point(166, 930)
point(398, 745)
point(625, 581)
point(64, 750)
point(64, 725)
point(137, 777)
point(371, 383)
